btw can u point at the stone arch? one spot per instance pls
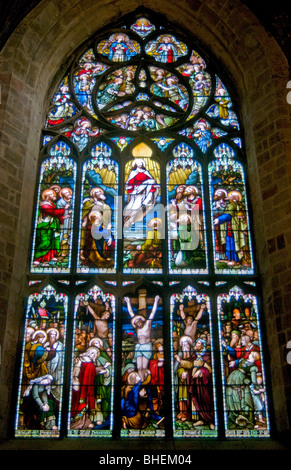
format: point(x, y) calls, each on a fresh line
point(32, 62)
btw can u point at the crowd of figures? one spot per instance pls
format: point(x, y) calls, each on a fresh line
point(245, 396)
point(121, 88)
point(53, 237)
point(91, 397)
point(143, 231)
point(40, 391)
point(242, 369)
point(142, 373)
point(192, 365)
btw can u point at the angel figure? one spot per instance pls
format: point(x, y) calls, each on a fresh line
point(119, 47)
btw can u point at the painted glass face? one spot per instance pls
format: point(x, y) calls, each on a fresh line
point(141, 225)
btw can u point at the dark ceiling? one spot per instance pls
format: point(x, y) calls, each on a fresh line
point(275, 16)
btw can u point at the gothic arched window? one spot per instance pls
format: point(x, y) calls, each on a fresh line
point(142, 314)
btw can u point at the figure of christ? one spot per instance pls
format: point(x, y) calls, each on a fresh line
point(143, 191)
point(143, 348)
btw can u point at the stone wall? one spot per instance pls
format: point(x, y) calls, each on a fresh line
point(32, 63)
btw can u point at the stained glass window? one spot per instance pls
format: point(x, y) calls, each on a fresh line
point(186, 214)
point(142, 314)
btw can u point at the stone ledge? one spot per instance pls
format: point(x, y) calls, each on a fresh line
point(132, 445)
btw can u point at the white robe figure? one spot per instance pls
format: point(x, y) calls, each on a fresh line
point(143, 190)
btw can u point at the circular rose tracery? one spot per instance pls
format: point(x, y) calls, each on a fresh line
point(150, 98)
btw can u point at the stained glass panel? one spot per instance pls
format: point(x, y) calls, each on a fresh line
point(166, 49)
point(142, 382)
point(118, 47)
point(40, 392)
point(143, 27)
point(63, 107)
point(119, 83)
point(222, 110)
point(91, 397)
point(244, 382)
point(143, 221)
point(199, 80)
point(193, 382)
point(52, 241)
point(81, 132)
point(231, 234)
point(167, 85)
point(186, 219)
point(203, 134)
point(143, 117)
point(97, 239)
point(85, 77)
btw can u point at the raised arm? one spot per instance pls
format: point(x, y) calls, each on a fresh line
point(200, 313)
point(181, 311)
point(154, 309)
point(93, 313)
point(129, 307)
